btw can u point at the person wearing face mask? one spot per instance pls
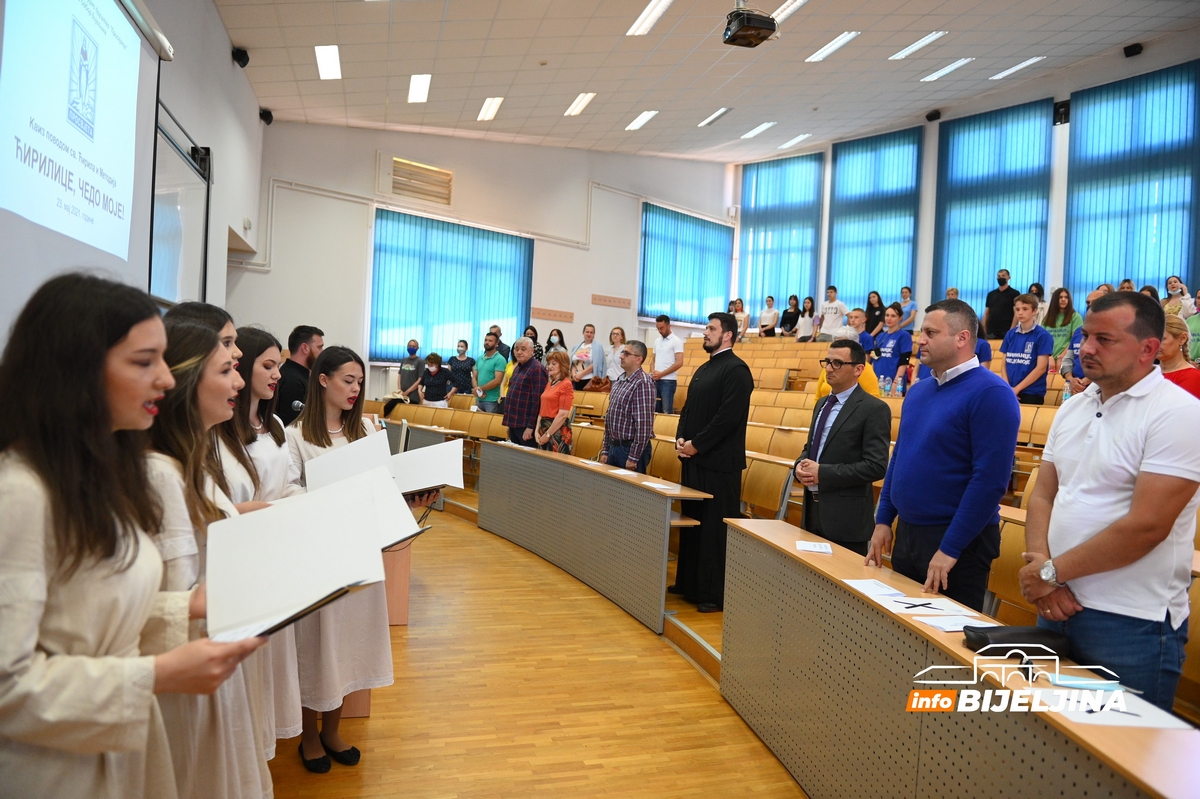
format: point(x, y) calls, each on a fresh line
point(1177, 302)
point(435, 386)
point(412, 369)
point(998, 313)
point(460, 367)
point(557, 342)
point(539, 352)
point(1037, 291)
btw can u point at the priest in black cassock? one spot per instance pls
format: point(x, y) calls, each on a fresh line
point(711, 442)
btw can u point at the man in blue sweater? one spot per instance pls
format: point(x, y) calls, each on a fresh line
point(951, 464)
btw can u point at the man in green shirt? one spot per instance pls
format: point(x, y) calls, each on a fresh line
point(488, 375)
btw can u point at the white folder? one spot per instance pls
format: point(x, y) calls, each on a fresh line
point(354, 458)
point(429, 468)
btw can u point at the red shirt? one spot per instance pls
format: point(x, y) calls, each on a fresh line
point(556, 397)
point(1188, 379)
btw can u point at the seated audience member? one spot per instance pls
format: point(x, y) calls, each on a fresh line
point(304, 346)
point(629, 421)
point(501, 347)
point(524, 394)
point(791, 315)
point(1027, 349)
point(1172, 358)
point(412, 369)
point(612, 359)
point(668, 357)
point(857, 319)
point(436, 387)
point(539, 353)
point(1111, 565)
point(587, 359)
point(867, 380)
point(951, 465)
point(488, 374)
point(1177, 302)
point(553, 433)
point(846, 452)
point(893, 348)
point(768, 319)
point(1069, 367)
point(461, 365)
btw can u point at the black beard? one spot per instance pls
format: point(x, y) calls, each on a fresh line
point(710, 349)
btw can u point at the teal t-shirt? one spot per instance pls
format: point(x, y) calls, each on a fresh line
point(487, 367)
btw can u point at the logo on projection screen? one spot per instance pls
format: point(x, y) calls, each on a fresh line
point(81, 93)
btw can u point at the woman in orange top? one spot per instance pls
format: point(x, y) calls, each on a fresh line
point(553, 432)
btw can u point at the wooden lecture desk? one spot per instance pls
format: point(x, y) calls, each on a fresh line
point(608, 530)
point(822, 674)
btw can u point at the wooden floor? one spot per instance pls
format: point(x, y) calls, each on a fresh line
point(705, 625)
point(513, 679)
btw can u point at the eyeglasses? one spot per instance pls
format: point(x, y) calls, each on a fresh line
point(833, 363)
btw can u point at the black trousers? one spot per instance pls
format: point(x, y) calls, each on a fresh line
point(812, 523)
point(700, 570)
point(769, 332)
point(1025, 398)
point(967, 582)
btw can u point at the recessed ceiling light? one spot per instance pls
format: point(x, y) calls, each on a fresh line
point(1022, 65)
point(917, 45)
point(947, 70)
point(646, 21)
point(758, 130)
point(794, 141)
point(418, 88)
point(329, 66)
point(787, 9)
point(488, 112)
point(642, 119)
point(828, 49)
point(580, 103)
point(720, 112)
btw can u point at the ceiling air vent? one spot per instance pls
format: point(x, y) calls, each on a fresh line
point(421, 182)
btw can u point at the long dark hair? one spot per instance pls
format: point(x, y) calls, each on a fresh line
point(202, 313)
point(1054, 313)
point(878, 303)
point(61, 425)
point(178, 432)
point(562, 341)
point(311, 420)
point(809, 307)
point(253, 342)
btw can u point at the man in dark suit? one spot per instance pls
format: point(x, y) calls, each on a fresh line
point(847, 451)
point(711, 443)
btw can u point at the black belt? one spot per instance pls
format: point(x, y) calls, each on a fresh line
point(627, 443)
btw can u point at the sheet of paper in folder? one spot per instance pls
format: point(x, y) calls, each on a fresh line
point(355, 458)
point(427, 468)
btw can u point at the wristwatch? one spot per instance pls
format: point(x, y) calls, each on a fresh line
point(1050, 575)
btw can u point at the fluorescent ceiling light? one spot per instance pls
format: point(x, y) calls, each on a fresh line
point(917, 45)
point(787, 9)
point(828, 49)
point(758, 130)
point(329, 66)
point(794, 141)
point(642, 119)
point(947, 70)
point(646, 21)
point(488, 112)
point(418, 88)
point(1022, 65)
point(720, 112)
point(580, 103)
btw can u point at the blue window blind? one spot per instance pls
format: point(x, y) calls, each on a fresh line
point(993, 200)
point(686, 263)
point(873, 215)
point(1132, 204)
point(781, 230)
point(438, 282)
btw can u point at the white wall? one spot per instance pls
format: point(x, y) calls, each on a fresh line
point(211, 97)
point(583, 208)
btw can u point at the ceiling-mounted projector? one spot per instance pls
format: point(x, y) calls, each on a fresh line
point(747, 27)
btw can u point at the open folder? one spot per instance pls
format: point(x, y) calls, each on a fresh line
point(269, 568)
point(429, 468)
point(354, 458)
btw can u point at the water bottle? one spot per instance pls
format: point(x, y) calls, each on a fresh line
point(899, 386)
point(887, 386)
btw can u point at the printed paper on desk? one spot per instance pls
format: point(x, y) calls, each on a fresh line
point(927, 605)
point(953, 624)
point(427, 468)
point(661, 486)
point(272, 566)
point(814, 546)
point(621, 471)
point(874, 588)
point(353, 459)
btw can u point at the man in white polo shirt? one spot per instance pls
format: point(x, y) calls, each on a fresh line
point(1112, 517)
point(668, 357)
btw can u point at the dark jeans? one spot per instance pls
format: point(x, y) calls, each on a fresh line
point(1025, 398)
point(516, 436)
point(812, 523)
point(664, 390)
point(1147, 656)
point(618, 455)
point(487, 407)
point(967, 581)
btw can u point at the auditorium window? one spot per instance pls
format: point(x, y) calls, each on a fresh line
point(993, 200)
point(873, 215)
point(438, 282)
point(686, 265)
point(781, 230)
point(1132, 183)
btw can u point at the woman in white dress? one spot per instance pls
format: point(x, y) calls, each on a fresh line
point(216, 741)
point(79, 715)
point(258, 467)
point(345, 646)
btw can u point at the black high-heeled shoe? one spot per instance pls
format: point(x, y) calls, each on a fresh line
point(347, 757)
point(318, 765)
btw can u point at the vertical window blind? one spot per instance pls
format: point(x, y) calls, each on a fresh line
point(1132, 187)
point(873, 215)
point(686, 265)
point(781, 230)
point(993, 200)
point(438, 282)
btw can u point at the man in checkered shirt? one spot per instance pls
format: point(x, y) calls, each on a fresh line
point(629, 423)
